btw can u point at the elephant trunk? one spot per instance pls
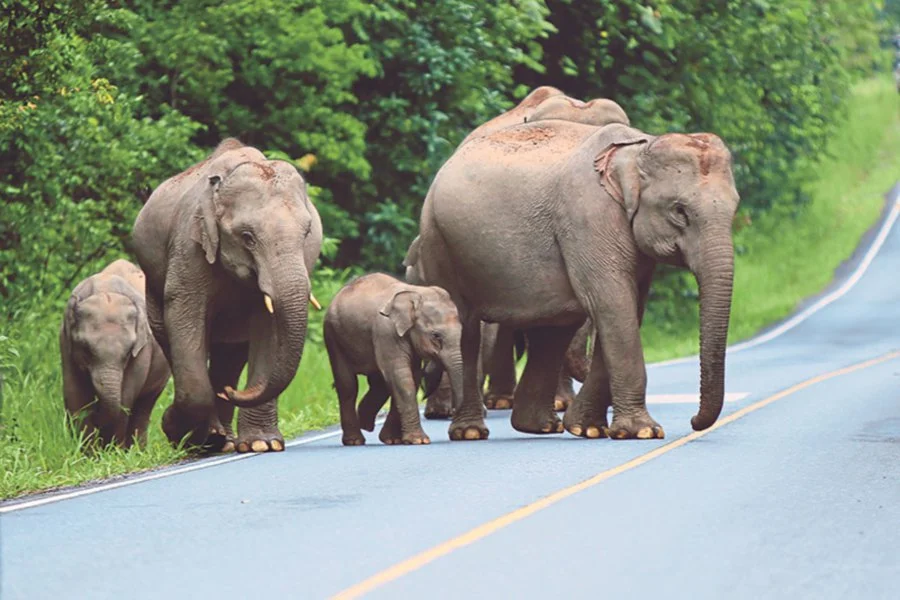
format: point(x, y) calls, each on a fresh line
point(107, 383)
point(431, 377)
point(278, 332)
point(453, 365)
point(715, 277)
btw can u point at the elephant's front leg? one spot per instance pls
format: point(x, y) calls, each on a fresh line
point(468, 421)
point(619, 342)
point(586, 414)
point(533, 409)
point(226, 361)
point(401, 381)
point(192, 416)
point(258, 429)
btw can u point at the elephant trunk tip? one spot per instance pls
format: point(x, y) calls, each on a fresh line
point(248, 398)
point(703, 420)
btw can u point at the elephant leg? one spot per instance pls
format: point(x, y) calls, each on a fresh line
point(533, 407)
point(440, 404)
point(391, 431)
point(375, 398)
point(617, 323)
point(401, 381)
point(468, 421)
point(501, 370)
point(586, 414)
point(157, 324)
point(192, 416)
point(577, 360)
point(226, 361)
point(565, 392)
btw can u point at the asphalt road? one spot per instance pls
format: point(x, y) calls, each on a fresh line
point(795, 493)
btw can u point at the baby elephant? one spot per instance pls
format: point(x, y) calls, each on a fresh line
point(383, 328)
point(108, 352)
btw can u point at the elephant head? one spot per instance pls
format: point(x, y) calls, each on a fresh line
point(106, 326)
point(678, 193)
point(257, 221)
point(430, 318)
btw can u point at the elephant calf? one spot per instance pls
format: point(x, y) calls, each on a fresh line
point(381, 327)
point(108, 352)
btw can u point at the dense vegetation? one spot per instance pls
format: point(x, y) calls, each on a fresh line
point(102, 100)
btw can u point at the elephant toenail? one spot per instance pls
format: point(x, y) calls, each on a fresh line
point(277, 446)
point(645, 433)
point(259, 446)
point(592, 432)
point(576, 430)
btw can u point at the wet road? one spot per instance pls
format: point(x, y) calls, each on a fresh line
point(795, 493)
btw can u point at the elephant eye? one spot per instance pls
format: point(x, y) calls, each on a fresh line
point(248, 239)
point(437, 336)
point(681, 215)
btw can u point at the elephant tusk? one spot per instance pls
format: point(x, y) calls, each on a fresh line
point(314, 302)
point(269, 306)
point(223, 396)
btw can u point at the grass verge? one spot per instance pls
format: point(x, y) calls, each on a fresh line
point(779, 265)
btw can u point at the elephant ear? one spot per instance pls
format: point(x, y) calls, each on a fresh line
point(401, 310)
point(82, 291)
point(205, 230)
point(621, 178)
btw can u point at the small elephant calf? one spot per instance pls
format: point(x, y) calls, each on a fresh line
point(108, 352)
point(383, 328)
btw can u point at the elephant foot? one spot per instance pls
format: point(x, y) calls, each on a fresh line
point(438, 408)
point(561, 402)
point(229, 445)
point(205, 437)
point(415, 438)
point(539, 422)
point(498, 401)
point(584, 424)
point(640, 426)
point(260, 441)
point(353, 439)
point(468, 429)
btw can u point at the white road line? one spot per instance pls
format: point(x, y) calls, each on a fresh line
point(861, 269)
point(103, 487)
point(771, 335)
point(690, 398)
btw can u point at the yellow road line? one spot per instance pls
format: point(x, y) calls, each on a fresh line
point(420, 560)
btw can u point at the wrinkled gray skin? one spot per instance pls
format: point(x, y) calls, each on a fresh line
point(214, 241)
point(383, 328)
point(113, 370)
point(497, 362)
point(538, 225)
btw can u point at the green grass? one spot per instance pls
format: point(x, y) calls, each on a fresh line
point(780, 264)
point(784, 259)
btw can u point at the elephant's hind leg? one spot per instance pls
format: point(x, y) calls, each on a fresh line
point(372, 402)
point(226, 361)
point(347, 387)
point(500, 366)
point(533, 407)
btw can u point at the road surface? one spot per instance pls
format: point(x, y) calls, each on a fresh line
point(795, 494)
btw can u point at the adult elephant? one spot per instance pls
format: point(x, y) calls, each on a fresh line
point(228, 247)
point(540, 224)
point(497, 359)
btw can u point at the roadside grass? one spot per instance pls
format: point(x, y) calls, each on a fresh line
point(779, 264)
point(783, 259)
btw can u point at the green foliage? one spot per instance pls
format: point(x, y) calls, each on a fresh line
point(73, 160)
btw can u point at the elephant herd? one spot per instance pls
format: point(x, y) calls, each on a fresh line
point(542, 229)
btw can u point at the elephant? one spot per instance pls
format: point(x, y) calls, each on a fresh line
point(229, 247)
point(113, 371)
point(539, 225)
point(382, 328)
